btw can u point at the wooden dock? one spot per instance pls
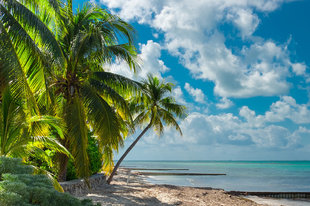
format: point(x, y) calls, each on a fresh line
point(176, 174)
point(158, 169)
point(286, 195)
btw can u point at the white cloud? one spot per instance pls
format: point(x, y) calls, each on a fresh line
point(198, 94)
point(299, 68)
point(227, 129)
point(245, 21)
point(287, 108)
point(248, 128)
point(177, 93)
point(191, 33)
point(224, 103)
point(284, 109)
point(139, 10)
point(150, 63)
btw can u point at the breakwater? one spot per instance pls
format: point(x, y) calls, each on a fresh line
point(286, 195)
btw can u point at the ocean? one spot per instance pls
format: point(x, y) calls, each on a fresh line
point(256, 176)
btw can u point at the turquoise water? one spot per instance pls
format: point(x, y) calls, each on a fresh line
point(268, 176)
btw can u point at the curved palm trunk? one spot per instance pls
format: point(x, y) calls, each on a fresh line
point(127, 151)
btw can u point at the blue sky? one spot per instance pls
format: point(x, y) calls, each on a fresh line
point(240, 66)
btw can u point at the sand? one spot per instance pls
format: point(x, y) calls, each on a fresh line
point(139, 192)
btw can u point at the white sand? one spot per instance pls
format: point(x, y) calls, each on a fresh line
point(138, 192)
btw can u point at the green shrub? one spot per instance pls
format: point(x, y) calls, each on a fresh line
point(42, 163)
point(18, 186)
point(94, 156)
point(13, 166)
point(71, 172)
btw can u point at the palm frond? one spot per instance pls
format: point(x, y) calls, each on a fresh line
point(32, 22)
point(171, 106)
point(118, 82)
point(75, 119)
point(121, 52)
point(102, 118)
point(48, 121)
point(158, 126)
point(110, 95)
point(142, 118)
point(19, 86)
point(108, 163)
point(168, 118)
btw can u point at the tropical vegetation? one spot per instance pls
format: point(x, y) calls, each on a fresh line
point(155, 108)
point(58, 55)
point(18, 186)
point(61, 110)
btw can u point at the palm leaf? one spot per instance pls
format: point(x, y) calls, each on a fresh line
point(102, 118)
point(29, 20)
point(171, 106)
point(118, 82)
point(169, 119)
point(75, 119)
point(110, 95)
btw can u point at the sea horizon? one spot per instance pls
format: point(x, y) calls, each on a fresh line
point(241, 175)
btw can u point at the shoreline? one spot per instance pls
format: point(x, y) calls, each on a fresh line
point(140, 192)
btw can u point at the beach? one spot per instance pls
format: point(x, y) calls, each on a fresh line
point(139, 192)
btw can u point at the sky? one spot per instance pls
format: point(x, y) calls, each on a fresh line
point(241, 67)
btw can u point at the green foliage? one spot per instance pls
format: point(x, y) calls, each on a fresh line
point(155, 107)
point(20, 187)
point(94, 156)
point(71, 171)
point(23, 135)
point(83, 94)
point(41, 164)
point(13, 166)
point(52, 57)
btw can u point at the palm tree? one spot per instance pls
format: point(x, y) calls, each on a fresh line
point(24, 42)
point(57, 57)
point(83, 94)
point(23, 136)
point(155, 108)
point(27, 137)
point(23, 39)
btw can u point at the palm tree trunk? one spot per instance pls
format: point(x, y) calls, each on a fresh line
point(63, 163)
point(127, 151)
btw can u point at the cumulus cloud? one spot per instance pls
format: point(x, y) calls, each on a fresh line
point(284, 109)
point(244, 20)
point(299, 68)
point(191, 32)
point(150, 62)
point(224, 103)
point(198, 94)
point(246, 129)
point(287, 108)
point(227, 129)
point(177, 93)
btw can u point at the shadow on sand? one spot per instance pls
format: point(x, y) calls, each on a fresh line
point(123, 195)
